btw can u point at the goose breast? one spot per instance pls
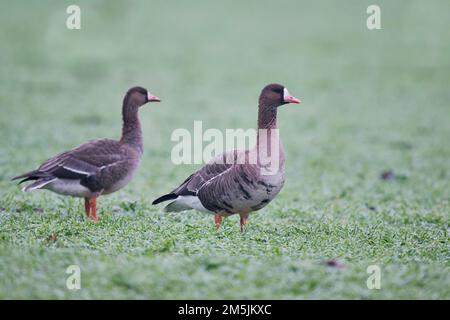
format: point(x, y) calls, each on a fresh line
point(242, 189)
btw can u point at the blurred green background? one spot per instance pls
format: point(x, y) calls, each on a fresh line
point(373, 101)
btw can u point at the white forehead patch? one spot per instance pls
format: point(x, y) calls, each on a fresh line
point(149, 95)
point(285, 93)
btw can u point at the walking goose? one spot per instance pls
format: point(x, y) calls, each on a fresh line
point(97, 167)
point(239, 181)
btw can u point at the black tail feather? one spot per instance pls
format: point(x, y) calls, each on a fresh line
point(32, 175)
point(166, 197)
point(26, 175)
point(28, 179)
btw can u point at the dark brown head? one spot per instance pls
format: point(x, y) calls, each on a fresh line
point(275, 95)
point(138, 96)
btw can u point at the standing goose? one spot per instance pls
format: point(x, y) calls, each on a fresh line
point(232, 183)
point(96, 167)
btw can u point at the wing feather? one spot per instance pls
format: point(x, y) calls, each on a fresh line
point(85, 160)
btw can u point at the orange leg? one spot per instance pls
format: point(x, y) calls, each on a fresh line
point(93, 202)
point(87, 207)
point(243, 221)
point(90, 206)
point(217, 220)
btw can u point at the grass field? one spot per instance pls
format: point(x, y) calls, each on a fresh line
point(372, 101)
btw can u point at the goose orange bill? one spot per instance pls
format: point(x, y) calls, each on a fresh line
point(153, 98)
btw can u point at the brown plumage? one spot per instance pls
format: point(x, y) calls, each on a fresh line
point(96, 167)
point(237, 181)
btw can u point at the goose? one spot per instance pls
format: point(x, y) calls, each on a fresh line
point(238, 181)
point(97, 167)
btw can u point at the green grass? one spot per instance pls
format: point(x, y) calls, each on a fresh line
point(372, 101)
